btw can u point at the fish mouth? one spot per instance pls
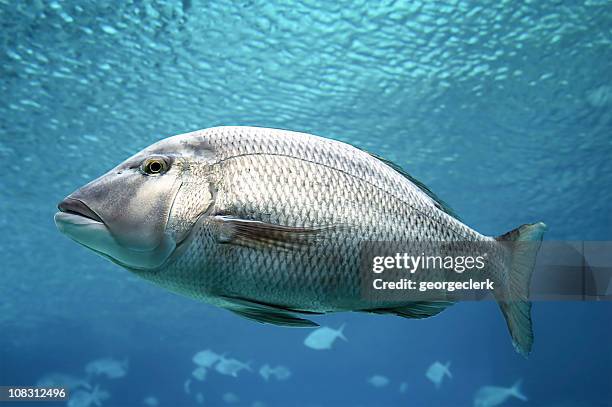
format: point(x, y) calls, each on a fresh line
point(77, 207)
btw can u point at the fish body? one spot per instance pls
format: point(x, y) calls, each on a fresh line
point(490, 396)
point(437, 371)
point(205, 358)
point(199, 373)
point(151, 401)
point(279, 372)
point(230, 398)
point(111, 368)
point(268, 223)
point(378, 381)
point(83, 398)
point(324, 337)
point(231, 367)
point(299, 182)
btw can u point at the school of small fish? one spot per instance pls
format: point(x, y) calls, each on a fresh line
point(85, 390)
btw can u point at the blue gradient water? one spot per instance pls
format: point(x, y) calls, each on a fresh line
point(503, 108)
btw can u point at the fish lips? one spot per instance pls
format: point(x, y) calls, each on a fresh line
point(76, 207)
point(79, 222)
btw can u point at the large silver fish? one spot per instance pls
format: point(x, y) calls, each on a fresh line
point(268, 223)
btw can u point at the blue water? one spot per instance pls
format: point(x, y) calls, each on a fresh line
point(503, 108)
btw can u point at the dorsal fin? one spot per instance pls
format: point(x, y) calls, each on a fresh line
point(440, 204)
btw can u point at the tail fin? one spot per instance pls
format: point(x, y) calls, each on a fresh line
point(515, 390)
point(341, 332)
point(447, 370)
point(524, 243)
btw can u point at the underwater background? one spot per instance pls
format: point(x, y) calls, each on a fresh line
point(503, 108)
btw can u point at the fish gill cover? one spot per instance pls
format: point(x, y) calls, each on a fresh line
point(503, 109)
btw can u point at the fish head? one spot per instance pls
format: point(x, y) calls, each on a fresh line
point(141, 211)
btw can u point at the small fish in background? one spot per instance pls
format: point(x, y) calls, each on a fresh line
point(600, 97)
point(231, 367)
point(63, 380)
point(324, 337)
point(109, 367)
point(83, 398)
point(279, 372)
point(151, 401)
point(378, 381)
point(258, 404)
point(490, 396)
point(206, 358)
point(437, 371)
point(230, 398)
point(199, 398)
point(187, 386)
point(199, 373)
point(403, 387)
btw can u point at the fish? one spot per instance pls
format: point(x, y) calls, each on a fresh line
point(279, 372)
point(437, 371)
point(84, 398)
point(150, 401)
point(199, 398)
point(199, 373)
point(403, 387)
point(231, 367)
point(230, 398)
point(109, 367)
point(206, 358)
point(324, 337)
point(378, 381)
point(490, 396)
point(187, 386)
point(268, 224)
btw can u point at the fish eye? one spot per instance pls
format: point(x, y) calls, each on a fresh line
point(154, 166)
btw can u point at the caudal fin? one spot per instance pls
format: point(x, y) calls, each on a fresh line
point(516, 391)
point(524, 243)
point(340, 332)
point(447, 370)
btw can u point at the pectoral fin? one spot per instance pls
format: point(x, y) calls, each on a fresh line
point(256, 234)
point(266, 313)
